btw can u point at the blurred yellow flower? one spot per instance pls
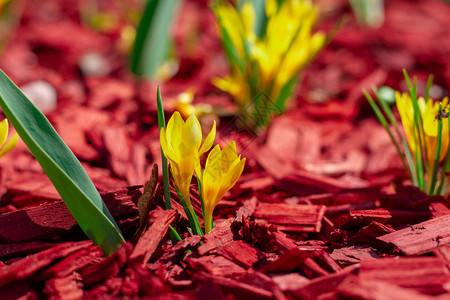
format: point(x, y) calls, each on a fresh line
point(271, 61)
point(182, 145)
point(430, 113)
point(6, 148)
point(222, 170)
point(183, 104)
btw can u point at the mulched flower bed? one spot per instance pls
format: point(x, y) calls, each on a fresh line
point(322, 211)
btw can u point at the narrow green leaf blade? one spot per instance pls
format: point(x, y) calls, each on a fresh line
point(61, 166)
point(435, 167)
point(165, 167)
point(152, 37)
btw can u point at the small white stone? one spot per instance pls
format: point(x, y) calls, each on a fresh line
point(42, 94)
point(94, 64)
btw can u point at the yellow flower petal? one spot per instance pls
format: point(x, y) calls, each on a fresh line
point(9, 145)
point(174, 127)
point(192, 132)
point(207, 144)
point(3, 131)
point(230, 178)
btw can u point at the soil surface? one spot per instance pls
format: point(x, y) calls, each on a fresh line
point(323, 209)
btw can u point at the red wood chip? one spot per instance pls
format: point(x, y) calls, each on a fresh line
point(63, 288)
point(179, 250)
point(75, 261)
point(148, 243)
point(353, 254)
point(241, 253)
point(367, 235)
point(214, 265)
point(290, 217)
point(30, 264)
point(23, 249)
point(424, 274)
point(108, 267)
point(421, 238)
point(218, 237)
point(323, 285)
point(287, 262)
point(359, 218)
point(357, 288)
point(238, 289)
point(54, 218)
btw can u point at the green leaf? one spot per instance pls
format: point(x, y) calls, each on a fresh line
point(152, 37)
point(165, 167)
point(385, 124)
point(260, 17)
point(419, 135)
point(435, 168)
point(230, 50)
point(61, 166)
point(410, 168)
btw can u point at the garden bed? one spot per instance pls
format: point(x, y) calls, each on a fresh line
point(323, 210)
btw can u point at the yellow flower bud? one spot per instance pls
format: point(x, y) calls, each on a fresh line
point(182, 145)
point(222, 170)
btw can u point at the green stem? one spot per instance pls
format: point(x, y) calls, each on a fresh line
point(192, 217)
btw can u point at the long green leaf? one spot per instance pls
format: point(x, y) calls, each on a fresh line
point(260, 15)
point(61, 166)
point(165, 167)
point(385, 124)
point(419, 135)
point(152, 37)
point(435, 168)
point(387, 110)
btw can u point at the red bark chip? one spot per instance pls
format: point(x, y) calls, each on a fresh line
point(241, 253)
point(353, 254)
point(54, 218)
point(31, 264)
point(368, 235)
point(292, 217)
point(324, 285)
point(214, 265)
point(359, 218)
point(148, 243)
point(108, 267)
point(290, 281)
point(355, 288)
point(238, 289)
point(179, 250)
point(63, 288)
point(217, 238)
point(118, 150)
point(421, 238)
point(75, 261)
point(424, 274)
point(23, 249)
point(287, 262)
point(439, 209)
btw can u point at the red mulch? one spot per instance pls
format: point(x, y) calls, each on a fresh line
point(322, 211)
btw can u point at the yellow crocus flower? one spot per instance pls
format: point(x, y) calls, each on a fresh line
point(222, 170)
point(429, 111)
point(273, 60)
point(182, 145)
point(6, 148)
